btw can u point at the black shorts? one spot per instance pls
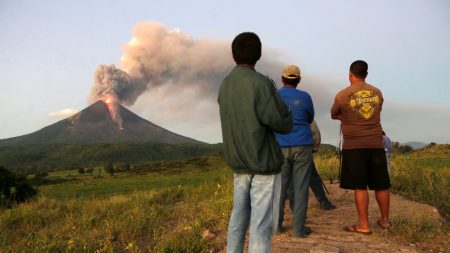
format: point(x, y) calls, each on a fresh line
point(364, 167)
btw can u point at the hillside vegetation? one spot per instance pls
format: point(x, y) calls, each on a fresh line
point(53, 157)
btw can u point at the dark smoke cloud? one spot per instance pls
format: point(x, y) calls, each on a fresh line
point(110, 81)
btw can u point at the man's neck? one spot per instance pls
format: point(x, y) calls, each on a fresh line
point(247, 65)
point(357, 81)
point(289, 86)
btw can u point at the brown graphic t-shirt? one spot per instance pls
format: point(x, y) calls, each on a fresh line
point(358, 107)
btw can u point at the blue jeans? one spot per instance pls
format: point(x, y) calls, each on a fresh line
point(252, 203)
point(276, 201)
point(296, 170)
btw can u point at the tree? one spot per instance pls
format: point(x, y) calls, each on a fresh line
point(41, 175)
point(121, 167)
point(14, 188)
point(109, 169)
point(395, 145)
point(403, 149)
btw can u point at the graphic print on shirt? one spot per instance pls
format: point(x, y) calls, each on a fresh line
point(364, 103)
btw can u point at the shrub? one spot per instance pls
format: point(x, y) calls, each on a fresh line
point(403, 149)
point(41, 175)
point(14, 188)
point(109, 169)
point(121, 167)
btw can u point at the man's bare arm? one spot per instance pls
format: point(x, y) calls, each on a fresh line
point(336, 110)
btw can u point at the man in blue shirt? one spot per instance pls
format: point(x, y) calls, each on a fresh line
point(297, 151)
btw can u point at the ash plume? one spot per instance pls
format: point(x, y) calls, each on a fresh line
point(177, 78)
point(157, 56)
point(110, 81)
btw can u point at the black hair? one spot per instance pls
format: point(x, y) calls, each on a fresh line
point(246, 48)
point(359, 69)
point(293, 82)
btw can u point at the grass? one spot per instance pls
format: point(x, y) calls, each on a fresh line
point(422, 179)
point(113, 185)
point(327, 166)
point(160, 214)
point(423, 231)
point(146, 177)
point(143, 221)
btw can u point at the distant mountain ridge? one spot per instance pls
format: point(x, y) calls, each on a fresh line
point(95, 125)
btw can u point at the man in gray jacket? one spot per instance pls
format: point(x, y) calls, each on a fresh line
point(250, 112)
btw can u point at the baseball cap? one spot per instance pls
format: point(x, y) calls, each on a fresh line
point(291, 72)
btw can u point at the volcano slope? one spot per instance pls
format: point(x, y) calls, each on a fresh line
point(94, 124)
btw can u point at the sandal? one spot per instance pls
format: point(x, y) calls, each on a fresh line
point(383, 226)
point(353, 229)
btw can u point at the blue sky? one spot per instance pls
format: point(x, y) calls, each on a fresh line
point(49, 51)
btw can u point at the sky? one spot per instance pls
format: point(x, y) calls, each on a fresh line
point(50, 50)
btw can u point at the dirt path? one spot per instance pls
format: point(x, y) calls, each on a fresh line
point(327, 226)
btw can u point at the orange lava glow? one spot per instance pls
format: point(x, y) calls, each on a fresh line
point(110, 102)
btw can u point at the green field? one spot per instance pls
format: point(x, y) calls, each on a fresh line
point(124, 184)
point(166, 206)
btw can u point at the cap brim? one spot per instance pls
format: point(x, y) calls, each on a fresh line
point(291, 77)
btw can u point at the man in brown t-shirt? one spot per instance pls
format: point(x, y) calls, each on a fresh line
point(358, 107)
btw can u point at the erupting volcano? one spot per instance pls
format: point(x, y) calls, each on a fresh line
point(103, 121)
point(155, 57)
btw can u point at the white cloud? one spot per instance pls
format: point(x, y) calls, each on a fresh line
point(63, 113)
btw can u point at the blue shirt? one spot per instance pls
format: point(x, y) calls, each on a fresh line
point(387, 144)
point(302, 109)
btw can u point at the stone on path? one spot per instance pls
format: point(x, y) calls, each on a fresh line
point(322, 248)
